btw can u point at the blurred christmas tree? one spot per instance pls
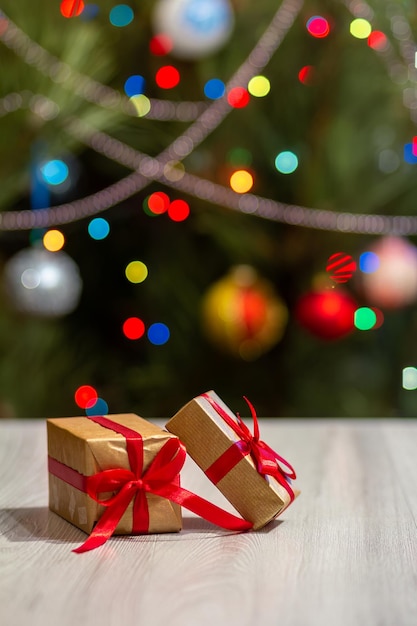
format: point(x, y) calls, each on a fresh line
point(205, 162)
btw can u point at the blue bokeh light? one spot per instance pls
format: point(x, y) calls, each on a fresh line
point(134, 85)
point(158, 333)
point(100, 407)
point(55, 172)
point(368, 262)
point(409, 155)
point(214, 88)
point(121, 15)
point(98, 228)
point(286, 162)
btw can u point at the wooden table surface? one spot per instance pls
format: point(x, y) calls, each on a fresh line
point(344, 554)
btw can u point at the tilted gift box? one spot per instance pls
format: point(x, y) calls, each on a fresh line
point(231, 458)
point(81, 449)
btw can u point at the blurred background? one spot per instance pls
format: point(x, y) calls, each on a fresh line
point(208, 194)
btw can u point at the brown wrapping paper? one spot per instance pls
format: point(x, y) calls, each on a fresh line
point(206, 436)
point(90, 448)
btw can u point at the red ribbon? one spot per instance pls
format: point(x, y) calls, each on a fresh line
point(267, 461)
point(161, 478)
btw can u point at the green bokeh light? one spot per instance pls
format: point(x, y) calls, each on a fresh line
point(365, 318)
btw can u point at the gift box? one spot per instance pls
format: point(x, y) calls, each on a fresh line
point(97, 471)
point(253, 477)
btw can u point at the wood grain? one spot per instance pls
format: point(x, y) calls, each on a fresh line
point(344, 554)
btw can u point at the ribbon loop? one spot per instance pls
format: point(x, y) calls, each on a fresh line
point(267, 461)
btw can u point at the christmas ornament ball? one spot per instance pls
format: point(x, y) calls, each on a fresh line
point(196, 28)
point(242, 314)
point(394, 283)
point(327, 313)
point(340, 267)
point(38, 282)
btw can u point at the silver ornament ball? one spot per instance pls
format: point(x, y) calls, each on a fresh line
point(43, 283)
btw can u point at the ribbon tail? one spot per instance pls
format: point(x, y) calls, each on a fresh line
point(107, 523)
point(203, 508)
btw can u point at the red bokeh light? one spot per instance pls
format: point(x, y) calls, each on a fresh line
point(377, 40)
point(306, 75)
point(158, 202)
point(178, 210)
point(318, 26)
point(160, 45)
point(340, 267)
point(133, 328)
point(72, 8)
point(238, 97)
point(85, 396)
point(167, 77)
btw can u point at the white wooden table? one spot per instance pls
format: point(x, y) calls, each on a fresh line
point(344, 554)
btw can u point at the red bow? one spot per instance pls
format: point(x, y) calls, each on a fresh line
point(267, 461)
point(161, 478)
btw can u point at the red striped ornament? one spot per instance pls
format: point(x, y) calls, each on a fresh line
point(340, 267)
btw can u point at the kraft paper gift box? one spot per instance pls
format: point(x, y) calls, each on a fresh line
point(87, 448)
point(208, 439)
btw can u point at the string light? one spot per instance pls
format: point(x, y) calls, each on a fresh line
point(151, 168)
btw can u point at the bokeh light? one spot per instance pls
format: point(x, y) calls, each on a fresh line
point(410, 378)
point(365, 318)
point(239, 157)
point(133, 328)
point(318, 26)
point(241, 181)
point(158, 333)
point(85, 395)
point(409, 156)
point(100, 407)
point(340, 267)
point(360, 28)
point(136, 272)
point(121, 15)
point(134, 85)
point(259, 86)
point(174, 170)
point(72, 8)
point(90, 12)
point(378, 41)
point(167, 77)
point(55, 172)
point(286, 162)
point(142, 104)
point(369, 262)
point(98, 228)
point(158, 202)
point(214, 88)
point(178, 210)
point(160, 45)
point(238, 97)
point(53, 240)
point(306, 75)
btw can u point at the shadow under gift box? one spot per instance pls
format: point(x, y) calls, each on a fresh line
point(207, 436)
point(88, 448)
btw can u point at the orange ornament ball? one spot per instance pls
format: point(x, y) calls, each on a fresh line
point(243, 315)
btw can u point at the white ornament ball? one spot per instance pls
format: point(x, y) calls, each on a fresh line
point(197, 28)
point(43, 283)
point(394, 283)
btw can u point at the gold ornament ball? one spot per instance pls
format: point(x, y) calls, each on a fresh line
point(242, 314)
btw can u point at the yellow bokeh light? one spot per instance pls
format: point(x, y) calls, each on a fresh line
point(136, 272)
point(360, 28)
point(241, 181)
point(174, 170)
point(142, 104)
point(259, 86)
point(53, 240)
